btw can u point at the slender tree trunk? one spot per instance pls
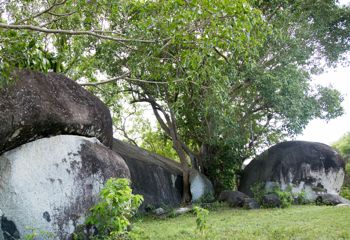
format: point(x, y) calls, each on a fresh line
point(186, 195)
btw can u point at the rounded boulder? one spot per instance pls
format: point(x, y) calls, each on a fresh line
point(51, 183)
point(304, 166)
point(40, 105)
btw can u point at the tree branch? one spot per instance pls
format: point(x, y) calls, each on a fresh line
point(43, 12)
point(71, 32)
point(125, 79)
point(94, 84)
point(62, 14)
point(221, 55)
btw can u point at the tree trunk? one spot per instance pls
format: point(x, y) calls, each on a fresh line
point(186, 195)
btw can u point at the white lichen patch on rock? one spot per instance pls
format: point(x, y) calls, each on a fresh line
point(329, 181)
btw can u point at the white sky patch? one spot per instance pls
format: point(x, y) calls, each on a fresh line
point(329, 132)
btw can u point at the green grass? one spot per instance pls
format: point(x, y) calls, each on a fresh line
point(297, 222)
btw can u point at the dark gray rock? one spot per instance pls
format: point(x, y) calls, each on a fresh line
point(331, 199)
point(271, 200)
point(39, 105)
point(233, 198)
point(158, 179)
point(308, 166)
point(51, 183)
point(251, 203)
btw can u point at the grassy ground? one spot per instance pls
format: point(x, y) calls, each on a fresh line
point(298, 222)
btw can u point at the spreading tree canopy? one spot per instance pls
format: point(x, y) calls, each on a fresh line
point(343, 146)
point(223, 78)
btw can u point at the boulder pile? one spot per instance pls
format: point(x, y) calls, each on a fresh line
point(54, 154)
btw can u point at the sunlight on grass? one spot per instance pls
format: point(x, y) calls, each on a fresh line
point(306, 222)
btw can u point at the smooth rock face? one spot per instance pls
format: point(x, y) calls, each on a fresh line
point(157, 179)
point(50, 184)
point(200, 187)
point(39, 105)
point(306, 166)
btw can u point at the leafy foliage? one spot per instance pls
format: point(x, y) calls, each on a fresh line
point(111, 215)
point(285, 196)
point(156, 141)
point(345, 190)
point(38, 234)
point(343, 146)
point(258, 191)
point(201, 218)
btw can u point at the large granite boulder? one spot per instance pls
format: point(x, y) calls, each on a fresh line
point(157, 178)
point(201, 187)
point(305, 166)
point(39, 105)
point(50, 184)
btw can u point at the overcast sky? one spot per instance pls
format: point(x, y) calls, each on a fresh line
point(329, 132)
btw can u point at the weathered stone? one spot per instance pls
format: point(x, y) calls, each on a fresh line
point(200, 186)
point(233, 198)
point(331, 199)
point(271, 200)
point(157, 179)
point(159, 211)
point(51, 183)
point(305, 166)
point(39, 105)
point(251, 203)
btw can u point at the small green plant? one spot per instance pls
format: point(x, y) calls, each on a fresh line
point(201, 218)
point(258, 191)
point(286, 196)
point(111, 215)
point(345, 192)
point(301, 197)
point(36, 234)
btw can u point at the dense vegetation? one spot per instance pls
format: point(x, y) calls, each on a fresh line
point(302, 222)
point(343, 147)
point(223, 78)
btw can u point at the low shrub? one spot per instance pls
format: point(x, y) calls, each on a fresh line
point(345, 192)
point(286, 196)
point(110, 217)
